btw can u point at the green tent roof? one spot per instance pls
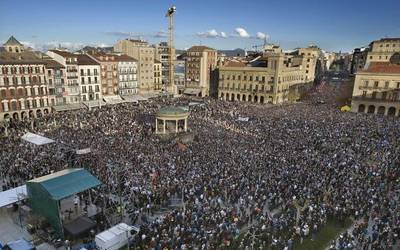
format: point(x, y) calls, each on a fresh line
point(67, 182)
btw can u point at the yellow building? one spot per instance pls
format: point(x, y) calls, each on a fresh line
point(273, 78)
point(201, 61)
point(158, 84)
point(145, 54)
point(377, 89)
point(382, 50)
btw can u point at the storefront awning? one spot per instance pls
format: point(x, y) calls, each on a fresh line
point(192, 92)
point(72, 106)
point(12, 196)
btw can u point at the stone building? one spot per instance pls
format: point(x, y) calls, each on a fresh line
point(71, 88)
point(23, 88)
point(109, 72)
point(90, 80)
point(145, 54)
point(377, 89)
point(382, 50)
point(127, 75)
point(275, 77)
point(358, 60)
point(158, 83)
point(55, 75)
point(201, 62)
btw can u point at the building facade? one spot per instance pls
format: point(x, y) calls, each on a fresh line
point(23, 89)
point(377, 89)
point(145, 54)
point(55, 75)
point(382, 50)
point(358, 60)
point(273, 78)
point(127, 75)
point(158, 83)
point(90, 80)
point(109, 72)
point(71, 87)
point(201, 61)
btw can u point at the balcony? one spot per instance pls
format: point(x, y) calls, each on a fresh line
point(372, 99)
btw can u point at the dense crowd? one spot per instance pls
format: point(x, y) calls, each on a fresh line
point(267, 183)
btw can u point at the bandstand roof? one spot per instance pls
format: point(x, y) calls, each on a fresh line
point(172, 111)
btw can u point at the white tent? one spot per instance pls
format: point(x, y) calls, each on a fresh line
point(36, 139)
point(12, 195)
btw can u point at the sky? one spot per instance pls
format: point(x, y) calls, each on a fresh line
point(334, 25)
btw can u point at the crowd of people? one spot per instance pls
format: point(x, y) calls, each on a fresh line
point(267, 182)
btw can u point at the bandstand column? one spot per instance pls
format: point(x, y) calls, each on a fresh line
point(185, 124)
point(156, 125)
point(176, 125)
point(163, 126)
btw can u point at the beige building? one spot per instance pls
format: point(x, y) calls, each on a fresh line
point(382, 50)
point(109, 72)
point(23, 88)
point(71, 88)
point(201, 61)
point(145, 54)
point(274, 78)
point(158, 83)
point(377, 89)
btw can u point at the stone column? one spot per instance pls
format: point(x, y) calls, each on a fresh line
point(185, 124)
point(386, 110)
point(163, 126)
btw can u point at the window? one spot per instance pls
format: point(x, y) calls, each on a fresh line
point(386, 84)
point(364, 94)
point(82, 80)
point(376, 84)
point(95, 79)
point(88, 72)
point(365, 83)
point(82, 72)
point(251, 78)
point(12, 92)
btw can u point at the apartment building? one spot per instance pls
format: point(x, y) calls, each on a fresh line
point(158, 83)
point(145, 54)
point(71, 87)
point(55, 75)
point(377, 88)
point(382, 50)
point(109, 72)
point(90, 79)
point(127, 75)
point(201, 62)
point(23, 88)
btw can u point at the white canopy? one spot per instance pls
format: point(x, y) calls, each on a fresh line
point(36, 139)
point(12, 195)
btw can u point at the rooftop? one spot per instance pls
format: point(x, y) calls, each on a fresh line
point(199, 48)
point(67, 182)
point(63, 53)
point(86, 60)
point(24, 57)
point(12, 41)
point(381, 68)
point(172, 111)
point(51, 64)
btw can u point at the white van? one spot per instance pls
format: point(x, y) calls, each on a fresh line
point(115, 237)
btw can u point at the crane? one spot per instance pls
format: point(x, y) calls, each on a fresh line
point(171, 57)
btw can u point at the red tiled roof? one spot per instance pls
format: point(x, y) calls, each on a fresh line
point(234, 64)
point(382, 68)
